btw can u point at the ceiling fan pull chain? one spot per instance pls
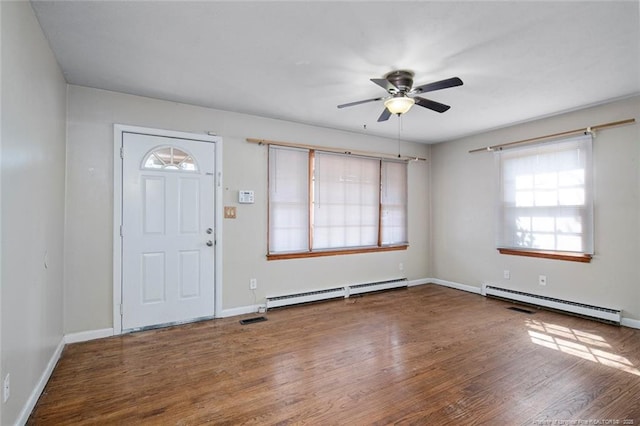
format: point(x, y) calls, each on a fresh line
point(399, 129)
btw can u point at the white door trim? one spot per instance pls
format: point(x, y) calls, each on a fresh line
point(118, 130)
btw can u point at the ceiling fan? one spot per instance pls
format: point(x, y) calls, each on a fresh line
point(402, 96)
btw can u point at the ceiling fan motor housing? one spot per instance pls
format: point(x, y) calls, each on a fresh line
point(401, 79)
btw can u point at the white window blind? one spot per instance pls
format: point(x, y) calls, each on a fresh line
point(393, 203)
point(346, 201)
point(355, 202)
point(288, 200)
point(546, 196)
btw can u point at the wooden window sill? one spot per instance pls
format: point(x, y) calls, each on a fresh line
point(557, 255)
point(281, 256)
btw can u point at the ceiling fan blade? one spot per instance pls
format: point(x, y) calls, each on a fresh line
point(432, 105)
point(360, 102)
point(438, 85)
point(385, 84)
point(385, 115)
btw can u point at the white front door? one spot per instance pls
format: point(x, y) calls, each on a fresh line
point(167, 230)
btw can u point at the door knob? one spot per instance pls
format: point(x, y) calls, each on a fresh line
point(209, 243)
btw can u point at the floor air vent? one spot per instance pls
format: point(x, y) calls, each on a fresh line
point(252, 320)
point(595, 312)
point(517, 309)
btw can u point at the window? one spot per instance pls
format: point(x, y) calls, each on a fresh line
point(546, 197)
point(288, 200)
point(393, 201)
point(169, 158)
point(346, 200)
point(321, 202)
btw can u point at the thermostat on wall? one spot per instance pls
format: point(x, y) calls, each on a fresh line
point(245, 197)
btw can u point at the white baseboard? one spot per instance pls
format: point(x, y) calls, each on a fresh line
point(84, 336)
point(420, 281)
point(242, 310)
point(631, 323)
point(457, 286)
point(37, 391)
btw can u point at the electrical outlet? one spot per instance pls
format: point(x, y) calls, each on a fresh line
point(542, 279)
point(6, 389)
point(253, 284)
point(506, 274)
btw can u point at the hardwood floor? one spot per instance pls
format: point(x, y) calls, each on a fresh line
point(425, 355)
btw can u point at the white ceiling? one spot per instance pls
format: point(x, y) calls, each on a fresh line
point(297, 60)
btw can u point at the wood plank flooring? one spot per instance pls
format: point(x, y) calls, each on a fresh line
point(425, 355)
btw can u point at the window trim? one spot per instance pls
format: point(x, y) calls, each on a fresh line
point(335, 252)
point(310, 252)
point(547, 254)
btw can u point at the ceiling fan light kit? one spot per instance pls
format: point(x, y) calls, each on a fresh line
point(399, 86)
point(399, 104)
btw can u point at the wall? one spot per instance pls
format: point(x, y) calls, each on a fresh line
point(32, 179)
point(88, 237)
point(464, 195)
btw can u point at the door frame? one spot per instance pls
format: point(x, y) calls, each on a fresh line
point(118, 131)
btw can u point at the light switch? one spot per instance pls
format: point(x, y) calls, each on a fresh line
point(229, 212)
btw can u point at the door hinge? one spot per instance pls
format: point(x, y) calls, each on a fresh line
point(121, 309)
point(122, 152)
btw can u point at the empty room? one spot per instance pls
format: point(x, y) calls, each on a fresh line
point(320, 212)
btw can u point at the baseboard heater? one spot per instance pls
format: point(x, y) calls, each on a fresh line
point(333, 293)
point(377, 286)
point(594, 312)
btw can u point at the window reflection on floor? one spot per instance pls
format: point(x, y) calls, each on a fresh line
point(578, 343)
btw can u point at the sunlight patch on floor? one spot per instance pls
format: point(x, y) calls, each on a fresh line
point(578, 343)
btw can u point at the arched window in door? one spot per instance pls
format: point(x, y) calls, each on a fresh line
point(169, 158)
